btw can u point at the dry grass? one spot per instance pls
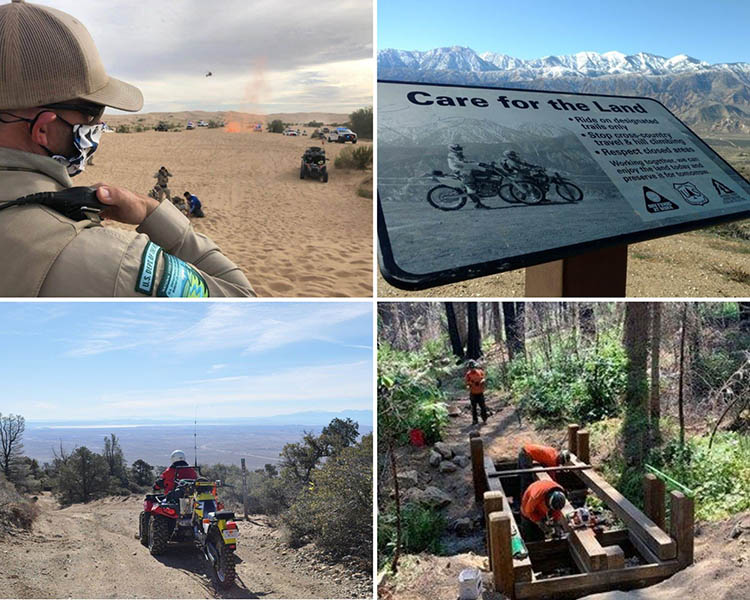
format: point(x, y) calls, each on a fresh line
point(16, 512)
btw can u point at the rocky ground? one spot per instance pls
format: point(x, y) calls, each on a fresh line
point(91, 551)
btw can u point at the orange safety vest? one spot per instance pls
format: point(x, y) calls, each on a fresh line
point(533, 503)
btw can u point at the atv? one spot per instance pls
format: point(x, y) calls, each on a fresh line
point(314, 164)
point(192, 512)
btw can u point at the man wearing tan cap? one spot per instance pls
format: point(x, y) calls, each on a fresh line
point(53, 92)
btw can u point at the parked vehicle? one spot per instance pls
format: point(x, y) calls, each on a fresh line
point(190, 125)
point(342, 135)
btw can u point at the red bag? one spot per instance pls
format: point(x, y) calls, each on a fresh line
point(416, 436)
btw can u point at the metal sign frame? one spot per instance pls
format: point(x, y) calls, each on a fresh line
point(402, 279)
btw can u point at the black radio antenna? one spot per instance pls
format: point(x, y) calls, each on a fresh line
point(195, 436)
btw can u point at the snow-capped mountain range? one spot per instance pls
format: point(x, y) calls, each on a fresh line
point(711, 97)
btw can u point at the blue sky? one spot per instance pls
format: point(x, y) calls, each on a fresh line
point(104, 360)
point(711, 31)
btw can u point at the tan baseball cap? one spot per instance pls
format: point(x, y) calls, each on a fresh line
point(48, 56)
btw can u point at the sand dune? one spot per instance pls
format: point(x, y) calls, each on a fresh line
point(291, 237)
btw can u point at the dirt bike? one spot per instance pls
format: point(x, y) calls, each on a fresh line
point(566, 189)
point(452, 194)
point(191, 512)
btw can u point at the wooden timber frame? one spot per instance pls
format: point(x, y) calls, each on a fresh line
point(598, 556)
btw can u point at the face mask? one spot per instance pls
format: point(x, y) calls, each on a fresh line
point(85, 142)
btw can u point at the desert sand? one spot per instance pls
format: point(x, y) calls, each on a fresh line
point(291, 237)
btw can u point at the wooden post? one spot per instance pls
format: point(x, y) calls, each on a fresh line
point(502, 559)
point(244, 487)
point(682, 526)
point(477, 467)
point(582, 443)
point(598, 273)
point(654, 499)
point(493, 502)
point(572, 431)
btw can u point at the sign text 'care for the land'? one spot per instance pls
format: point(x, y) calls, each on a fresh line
point(426, 99)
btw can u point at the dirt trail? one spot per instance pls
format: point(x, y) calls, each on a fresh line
point(91, 551)
point(721, 571)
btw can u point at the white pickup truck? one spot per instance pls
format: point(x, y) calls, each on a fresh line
point(342, 135)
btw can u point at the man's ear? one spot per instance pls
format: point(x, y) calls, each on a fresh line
point(40, 128)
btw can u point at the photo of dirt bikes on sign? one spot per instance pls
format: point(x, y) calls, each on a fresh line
point(490, 188)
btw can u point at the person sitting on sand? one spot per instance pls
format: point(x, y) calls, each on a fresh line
point(195, 207)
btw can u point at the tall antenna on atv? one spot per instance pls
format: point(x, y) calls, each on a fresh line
point(195, 436)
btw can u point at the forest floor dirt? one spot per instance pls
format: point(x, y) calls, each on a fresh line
point(91, 551)
point(721, 570)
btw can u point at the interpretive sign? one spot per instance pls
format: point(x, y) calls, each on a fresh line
point(474, 181)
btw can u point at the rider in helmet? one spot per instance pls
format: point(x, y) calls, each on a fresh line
point(515, 164)
point(179, 469)
point(466, 170)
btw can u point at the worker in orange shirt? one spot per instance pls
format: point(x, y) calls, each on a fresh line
point(546, 456)
point(475, 382)
point(541, 501)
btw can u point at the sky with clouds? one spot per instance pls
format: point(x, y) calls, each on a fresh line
point(105, 360)
point(266, 56)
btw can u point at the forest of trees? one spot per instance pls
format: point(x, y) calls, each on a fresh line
point(663, 384)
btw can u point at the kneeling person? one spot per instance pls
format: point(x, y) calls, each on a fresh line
point(542, 500)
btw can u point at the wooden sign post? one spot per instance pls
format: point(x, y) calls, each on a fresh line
point(244, 487)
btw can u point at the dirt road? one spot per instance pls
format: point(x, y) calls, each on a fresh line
point(91, 551)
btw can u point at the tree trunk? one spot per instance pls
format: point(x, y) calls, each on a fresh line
point(655, 391)
point(474, 344)
point(635, 423)
point(496, 323)
point(513, 314)
point(586, 322)
point(744, 315)
point(397, 497)
point(456, 344)
point(680, 393)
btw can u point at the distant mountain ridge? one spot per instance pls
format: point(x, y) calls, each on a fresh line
point(709, 97)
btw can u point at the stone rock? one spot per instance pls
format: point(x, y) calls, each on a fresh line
point(408, 479)
point(463, 527)
point(444, 450)
point(435, 458)
point(454, 411)
point(413, 495)
point(436, 497)
point(461, 460)
point(447, 466)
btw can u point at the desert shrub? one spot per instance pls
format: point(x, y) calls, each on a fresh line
point(422, 528)
point(360, 121)
point(82, 477)
point(214, 124)
point(276, 126)
point(123, 129)
point(335, 510)
point(354, 158)
point(365, 188)
point(15, 510)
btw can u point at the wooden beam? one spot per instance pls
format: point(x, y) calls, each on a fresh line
point(653, 495)
point(522, 570)
point(588, 548)
point(502, 559)
point(493, 502)
point(588, 583)
point(582, 443)
point(615, 557)
point(682, 526)
point(513, 472)
point(572, 431)
point(656, 539)
point(477, 467)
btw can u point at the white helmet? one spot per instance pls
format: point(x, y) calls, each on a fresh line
point(177, 455)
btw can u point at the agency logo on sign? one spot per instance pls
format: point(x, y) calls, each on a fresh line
point(727, 194)
point(690, 193)
point(655, 202)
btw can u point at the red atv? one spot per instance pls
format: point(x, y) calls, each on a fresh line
point(191, 512)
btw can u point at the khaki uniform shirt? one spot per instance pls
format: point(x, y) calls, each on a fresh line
point(162, 178)
point(47, 254)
